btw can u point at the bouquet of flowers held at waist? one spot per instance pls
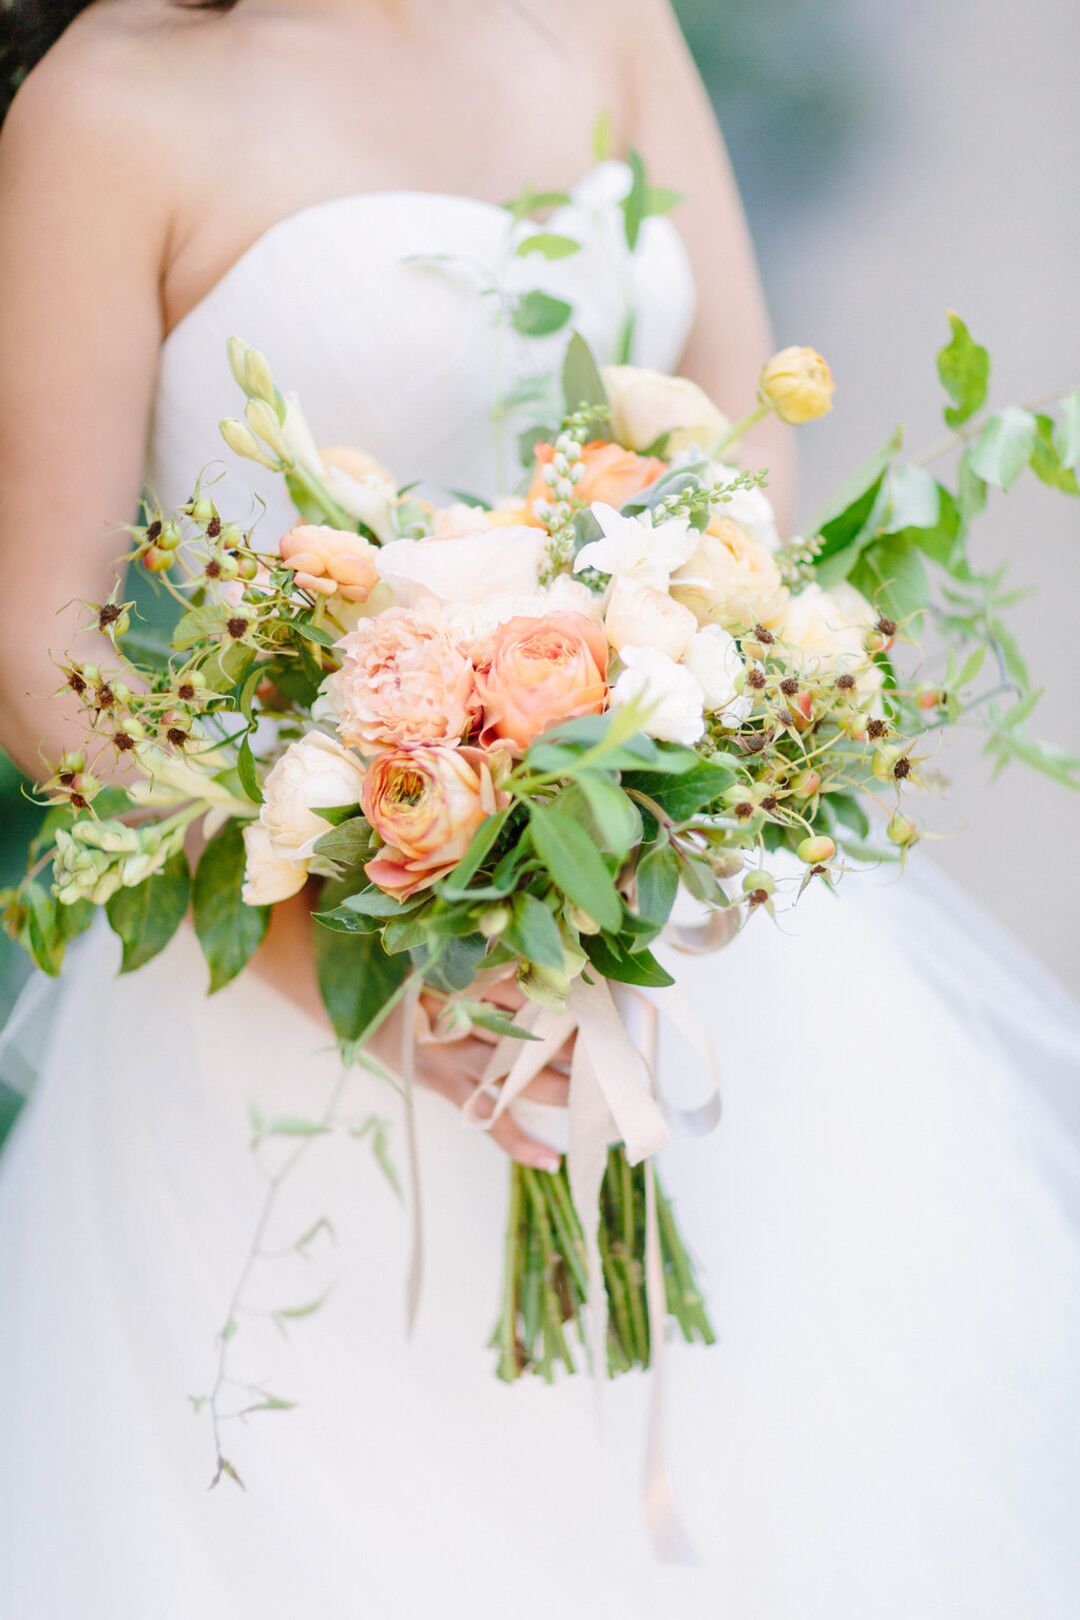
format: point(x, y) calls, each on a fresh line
point(505, 740)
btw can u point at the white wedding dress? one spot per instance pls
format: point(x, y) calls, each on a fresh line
point(889, 1426)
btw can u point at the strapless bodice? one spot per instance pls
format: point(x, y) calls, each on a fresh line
point(381, 311)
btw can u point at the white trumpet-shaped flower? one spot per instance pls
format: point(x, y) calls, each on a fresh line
point(635, 550)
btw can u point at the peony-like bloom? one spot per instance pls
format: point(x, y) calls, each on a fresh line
point(315, 773)
point(426, 804)
point(797, 384)
point(730, 580)
point(642, 616)
point(330, 562)
point(611, 474)
point(404, 678)
point(474, 622)
point(536, 672)
point(646, 405)
point(466, 568)
point(671, 700)
point(632, 549)
point(268, 875)
point(714, 661)
point(825, 634)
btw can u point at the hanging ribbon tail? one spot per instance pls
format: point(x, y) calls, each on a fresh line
point(642, 1009)
point(415, 1274)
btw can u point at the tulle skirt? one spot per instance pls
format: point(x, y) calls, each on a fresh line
point(886, 1221)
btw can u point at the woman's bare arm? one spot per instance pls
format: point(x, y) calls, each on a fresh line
point(669, 119)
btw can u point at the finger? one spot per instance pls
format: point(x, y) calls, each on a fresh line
point(508, 1134)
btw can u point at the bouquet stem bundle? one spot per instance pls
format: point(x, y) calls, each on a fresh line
point(545, 1283)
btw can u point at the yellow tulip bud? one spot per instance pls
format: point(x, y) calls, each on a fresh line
point(241, 440)
point(797, 384)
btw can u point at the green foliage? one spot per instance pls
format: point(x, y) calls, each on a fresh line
point(964, 368)
point(229, 931)
point(538, 314)
point(146, 917)
point(574, 864)
point(357, 978)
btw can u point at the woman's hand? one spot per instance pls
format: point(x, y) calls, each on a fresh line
point(454, 1069)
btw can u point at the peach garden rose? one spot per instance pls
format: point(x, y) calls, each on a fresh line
point(426, 804)
point(535, 672)
point(404, 679)
point(330, 562)
point(611, 474)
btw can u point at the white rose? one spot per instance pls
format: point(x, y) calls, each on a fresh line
point(646, 404)
point(640, 616)
point(469, 568)
point(713, 659)
point(315, 773)
point(476, 620)
point(825, 633)
point(631, 548)
point(730, 580)
point(268, 876)
point(670, 697)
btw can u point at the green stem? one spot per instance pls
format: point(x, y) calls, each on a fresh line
point(566, 1225)
point(620, 1313)
point(509, 1365)
point(736, 431)
point(692, 1310)
point(316, 489)
point(631, 1261)
point(554, 1341)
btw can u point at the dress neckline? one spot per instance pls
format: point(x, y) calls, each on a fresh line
point(349, 199)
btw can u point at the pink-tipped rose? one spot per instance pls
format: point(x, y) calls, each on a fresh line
point(404, 679)
point(330, 562)
point(426, 803)
point(537, 672)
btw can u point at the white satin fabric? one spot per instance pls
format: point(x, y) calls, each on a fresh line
point(885, 1219)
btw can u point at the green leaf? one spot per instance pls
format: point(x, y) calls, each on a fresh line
point(964, 368)
point(611, 958)
point(146, 917)
point(291, 1125)
point(197, 624)
point(1003, 448)
point(548, 243)
point(971, 666)
point(603, 141)
point(483, 842)
point(657, 883)
point(575, 864)
point(661, 200)
point(350, 843)
point(229, 931)
point(533, 932)
point(530, 202)
point(844, 516)
point(356, 976)
point(914, 501)
point(1046, 462)
point(680, 796)
point(311, 632)
point(249, 776)
point(43, 935)
point(537, 314)
point(634, 204)
point(1067, 432)
point(581, 379)
point(375, 902)
point(457, 964)
point(890, 574)
point(612, 820)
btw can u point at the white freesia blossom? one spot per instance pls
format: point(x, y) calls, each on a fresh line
point(268, 876)
point(467, 569)
point(713, 659)
point(671, 700)
point(314, 773)
point(641, 616)
point(633, 549)
point(646, 405)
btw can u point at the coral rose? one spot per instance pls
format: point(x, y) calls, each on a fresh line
point(730, 580)
point(404, 679)
point(330, 562)
point(536, 672)
point(611, 474)
point(426, 804)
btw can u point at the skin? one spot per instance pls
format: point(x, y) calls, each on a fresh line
point(153, 145)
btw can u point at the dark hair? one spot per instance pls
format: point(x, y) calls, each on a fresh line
point(29, 27)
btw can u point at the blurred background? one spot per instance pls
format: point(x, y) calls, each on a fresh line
point(897, 161)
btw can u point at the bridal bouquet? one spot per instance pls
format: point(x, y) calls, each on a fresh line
point(521, 740)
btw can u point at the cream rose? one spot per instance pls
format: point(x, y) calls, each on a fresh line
point(502, 561)
point(314, 773)
point(714, 661)
point(646, 405)
point(641, 616)
point(426, 804)
point(405, 678)
point(268, 876)
point(671, 700)
point(536, 672)
point(730, 580)
point(825, 634)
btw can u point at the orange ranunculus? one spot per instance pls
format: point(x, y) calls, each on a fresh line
point(426, 804)
point(612, 474)
point(535, 672)
point(330, 562)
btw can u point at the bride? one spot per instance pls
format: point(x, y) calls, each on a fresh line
point(890, 1424)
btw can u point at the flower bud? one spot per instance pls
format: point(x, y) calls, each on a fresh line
point(237, 351)
point(902, 831)
point(758, 880)
point(169, 537)
point(797, 384)
point(258, 381)
point(243, 442)
point(247, 568)
point(229, 534)
point(580, 919)
point(815, 851)
point(263, 420)
point(806, 784)
point(494, 921)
